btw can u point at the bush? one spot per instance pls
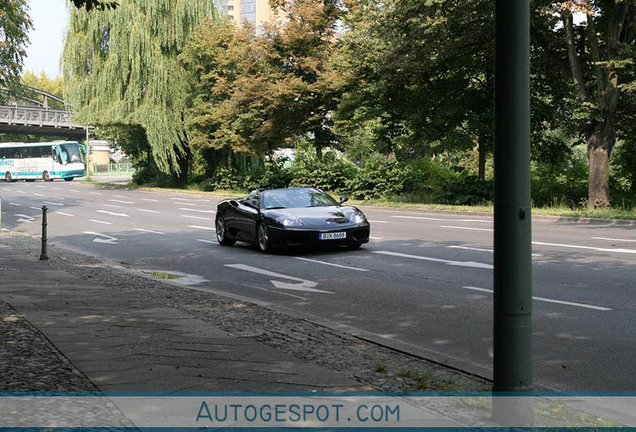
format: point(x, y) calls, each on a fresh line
point(330, 174)
point(273, 175)
point(468, 190)
point(566, 186)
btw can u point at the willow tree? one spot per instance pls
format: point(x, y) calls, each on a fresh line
point(120, 67)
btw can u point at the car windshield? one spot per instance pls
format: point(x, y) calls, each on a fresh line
point(70, 153)
point(295, 198)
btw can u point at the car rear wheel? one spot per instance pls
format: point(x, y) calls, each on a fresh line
point(264, 241)
point(223, 235)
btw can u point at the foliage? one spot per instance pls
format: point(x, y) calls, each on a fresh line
point(330, 173)
point(97, 4)
point(44, 82)
point(272, 175)
point(120, 67)
point(14, 27)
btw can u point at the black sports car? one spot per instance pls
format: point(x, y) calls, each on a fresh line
point(290, 217)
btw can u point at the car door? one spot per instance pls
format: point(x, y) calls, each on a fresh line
point(248, 215)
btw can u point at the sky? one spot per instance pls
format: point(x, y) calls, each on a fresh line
point(46, 39)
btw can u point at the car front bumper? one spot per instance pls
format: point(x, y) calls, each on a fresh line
point(296, 237)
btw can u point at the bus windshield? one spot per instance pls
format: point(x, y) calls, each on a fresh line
point(70, 153)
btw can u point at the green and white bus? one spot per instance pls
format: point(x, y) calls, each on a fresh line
point(44, 160)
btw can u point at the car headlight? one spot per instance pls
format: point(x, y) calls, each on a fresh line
point(289, 221)
point(357, 218)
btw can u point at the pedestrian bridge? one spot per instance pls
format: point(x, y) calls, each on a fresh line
point(37, 118)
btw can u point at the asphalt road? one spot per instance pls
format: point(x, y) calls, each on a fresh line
point(423, 283)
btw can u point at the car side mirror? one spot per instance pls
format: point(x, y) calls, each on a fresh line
point(343, 199)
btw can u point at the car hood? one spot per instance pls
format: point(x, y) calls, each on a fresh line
point(316, 217)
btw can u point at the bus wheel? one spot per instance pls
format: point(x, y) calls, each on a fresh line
point(29, 180)
point(7, 177)
point(69, 178)
point(46, 176)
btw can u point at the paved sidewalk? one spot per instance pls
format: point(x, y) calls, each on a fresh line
point(117, 341)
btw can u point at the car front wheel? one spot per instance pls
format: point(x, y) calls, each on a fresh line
point(223, 235)
point(264, 241)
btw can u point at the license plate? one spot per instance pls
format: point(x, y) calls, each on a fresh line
point(333, 236)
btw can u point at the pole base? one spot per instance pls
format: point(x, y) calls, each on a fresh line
point(43, 257)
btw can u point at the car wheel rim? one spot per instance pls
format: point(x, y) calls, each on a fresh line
point(262, 237)
point(220, 230)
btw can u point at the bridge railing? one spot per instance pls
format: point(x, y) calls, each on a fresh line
point(35, 116)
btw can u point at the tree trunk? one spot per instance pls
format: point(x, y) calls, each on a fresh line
point(481, 148)
point(599, 150)
point(319, 152)
point(229, 159)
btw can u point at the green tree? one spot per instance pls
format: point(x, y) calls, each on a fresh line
point(120, 67)
point(47, 84)
point(597, 56)
point(14, 27)
point(421, 73)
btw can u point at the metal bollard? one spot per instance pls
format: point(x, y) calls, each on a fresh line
point(43, 255)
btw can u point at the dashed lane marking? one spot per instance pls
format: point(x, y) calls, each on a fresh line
point(53, 203)
point(378, 221)
point(37, 194)
point(111, 205)
point(121, 201)
point(148, 231)
point(95, 193)
point(443, 261)
point(100, 222)
point(376, 238)
point(148, 211)
point(149, 199)
point(482, 250)
point(14, 204)
point(547, 300)
point(196, 217)
point(112, 213)
point(332, 264)
point(196, 210)
point(65, 214)
point(466, 228)
point(420, 218)
point(617, 250)
point(207, 241)
point(201, 227)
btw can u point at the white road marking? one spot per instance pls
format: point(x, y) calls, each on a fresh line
point(6, 189)
point(207, 241)
point(543, 299)
point(187, 203)
point(149, 199)
point(196, 217)
point(100, 222)
point(40, 186)
point(378, 221)
point(472, 248)
point(615, 239)
point(196, 210)
point(628, 251)
point(447, 262)
point(102, 238)
point(22, 192)
point(37, 194)
point(112, 213)
point(73, 190)
point(65, 214)
point(201, 227)
point(53, 203)
point(84, 202)
point(56, 188)
point(186, 199)
point(120, 196)
point(95, 193)
point(25, 218)
point(420, 218)
point(36, 208)
point(466, 228)
point(148, 231)
point(148, 211)
point(14, 204)
point(482, 250)
point(120, 201)
point(303, 285)
point(111, 205)
point(332, 264)
point(475, 220)
point(375, 238)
